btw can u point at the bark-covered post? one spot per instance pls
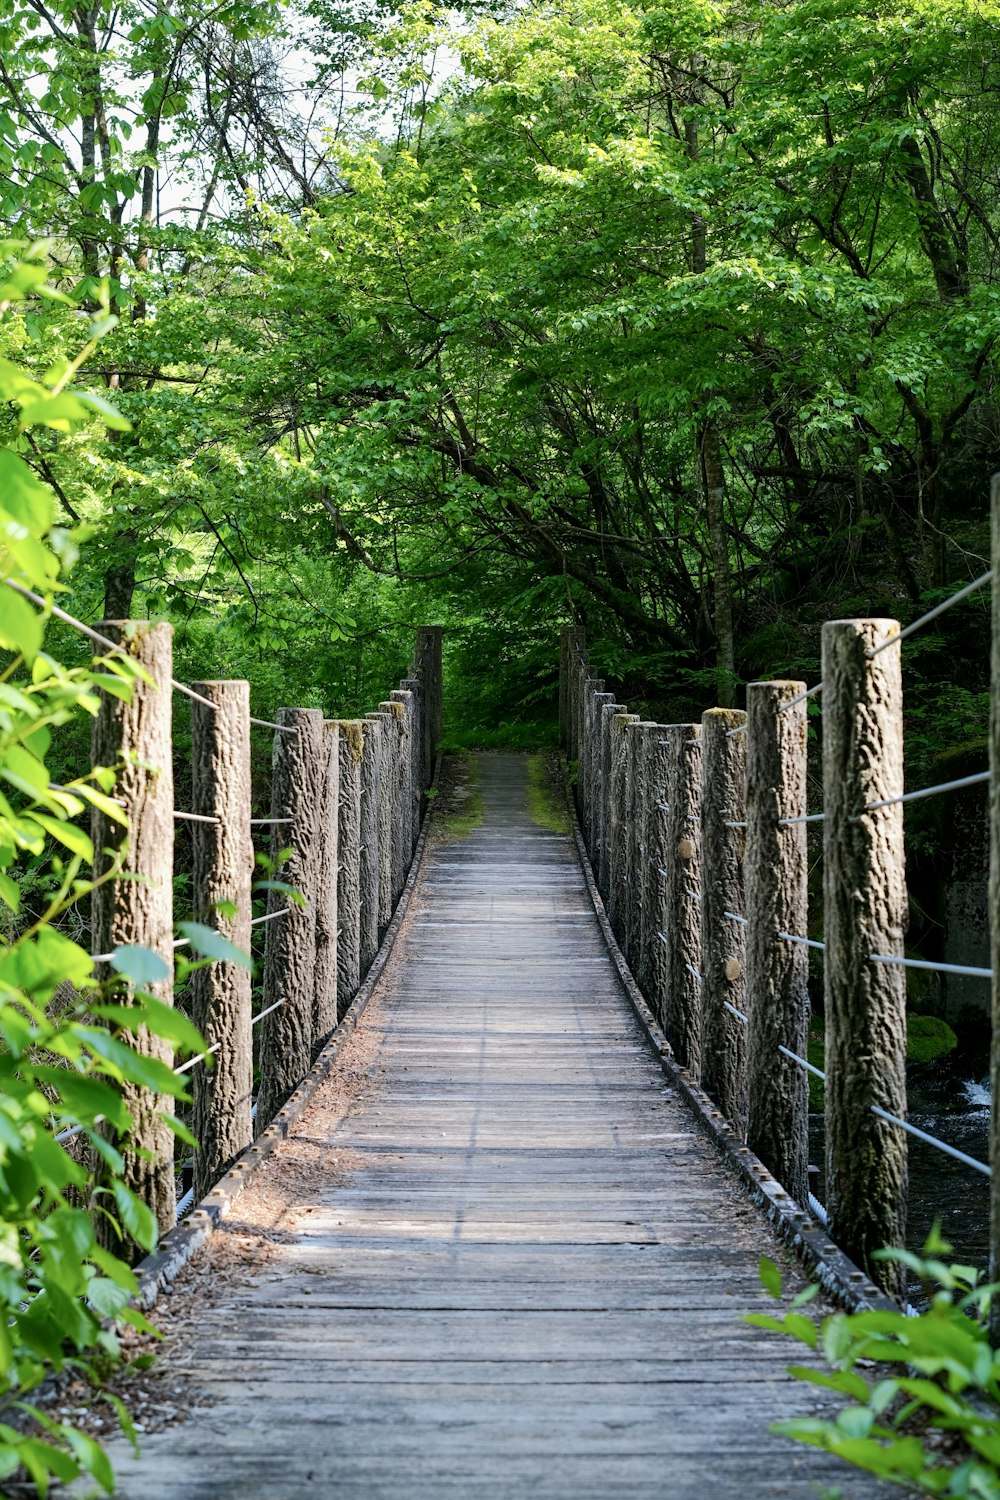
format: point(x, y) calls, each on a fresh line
point(399, 758)
point(370, 861)
point(605, 742)
point(404, 698)
point(864, 901)
point(350, 753)
point(776, 901)
point(641, 873)
point(384, 743)
point(723, 939)
point(222, 992)
point(138, 908)
point(633, 871)
point(994, 898)
point(585, 762)
point(682, 1014)
point(428, 653)
point(618, 816)
point(592, 828)
point(655, 912)
point(414, 687)
point(297, 793)
point(327, 860)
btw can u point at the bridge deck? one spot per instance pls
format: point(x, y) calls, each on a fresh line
point(509, 1263)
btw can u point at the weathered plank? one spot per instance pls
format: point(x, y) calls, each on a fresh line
point(509, 1264)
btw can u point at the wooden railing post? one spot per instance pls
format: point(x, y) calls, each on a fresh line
point(414, 686)
point(618, 813)
point(324, 1017)
point(369, 865)
point(428, 654)
point(404, 699)
point(383, 741)
point(644, 879)
point(682, 835)
point(655, 911)
point(297, 793)
point(350, 752)
point(222, 992)
point(585, 756)
point(608, 714)
point(723, 939)
point(634, 871)
point(399, 758)
point(138, 908)
point(776, 901)
point(864, 888)
point(592, 827)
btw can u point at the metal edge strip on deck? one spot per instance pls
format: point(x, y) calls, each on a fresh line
point(836, 1273)
point(157, 1272)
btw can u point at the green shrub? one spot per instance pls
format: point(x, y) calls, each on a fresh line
point(922, 1393)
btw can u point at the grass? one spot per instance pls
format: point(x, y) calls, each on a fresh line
point(463, 808)
point(546, 806)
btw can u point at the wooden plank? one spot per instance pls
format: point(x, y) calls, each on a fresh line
point(496, 1257)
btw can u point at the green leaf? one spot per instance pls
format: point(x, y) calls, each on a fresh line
point(770, 1277)
point(141, 965)
point(212, 944)
point(137, 1220)
point(67, 834)
point(21, 626)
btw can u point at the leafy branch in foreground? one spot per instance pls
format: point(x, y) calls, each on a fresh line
point(65, 1040)
point(923, 1391)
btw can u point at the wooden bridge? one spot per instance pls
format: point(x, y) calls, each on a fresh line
point(498, 1253)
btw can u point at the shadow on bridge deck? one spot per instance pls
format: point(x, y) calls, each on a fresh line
point(505, 1262)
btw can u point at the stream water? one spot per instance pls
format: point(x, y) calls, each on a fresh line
point(958, 1111)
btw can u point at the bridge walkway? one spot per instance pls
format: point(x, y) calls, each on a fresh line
point(498, 1258)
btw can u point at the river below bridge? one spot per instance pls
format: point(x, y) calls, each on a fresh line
point(958, 1111)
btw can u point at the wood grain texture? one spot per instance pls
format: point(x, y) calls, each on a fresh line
point(776, 882)
point(222, 992)
point(865, 911)
point(138, 907)
point(297, 794)
point(513, 1267)
point(723, 940)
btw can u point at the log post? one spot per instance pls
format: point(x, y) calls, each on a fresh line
point(399, 760)
point(593, 828)
point(682, 1012)
point(608, 714)
point(222, 992)
point(138, 907)
point(350, 753)
point(297, 793)
point(369, 864)
point(723, 939)
point(643, 876)
point(634, 873)
point(384, 744)
point(655, 911)
point(994, 900)
point(776, 901)
point(428, 652)
point(414, 687)
point(404, 698)
point(324, 1017)
point(585, 762)
point(864, 892)
point(618, 813)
